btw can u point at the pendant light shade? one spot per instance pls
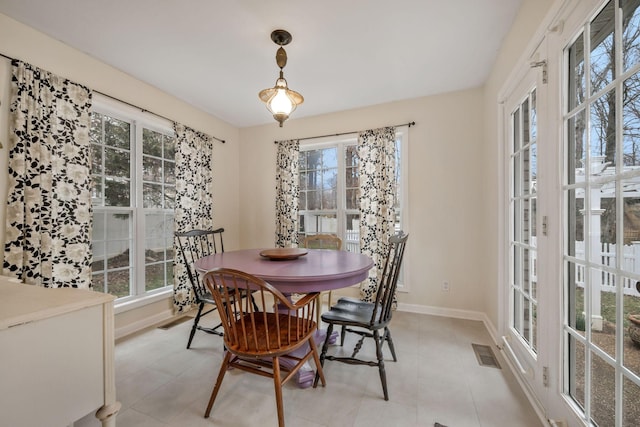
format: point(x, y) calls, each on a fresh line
point(280, 100)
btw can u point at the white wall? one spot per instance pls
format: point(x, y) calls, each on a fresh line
point(445, 189)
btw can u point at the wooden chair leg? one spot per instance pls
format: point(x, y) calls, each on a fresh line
point(194, 328)
point(253, 301)
point(216, 388)
point(318, 310)
point(383, 375)
point(277, 382)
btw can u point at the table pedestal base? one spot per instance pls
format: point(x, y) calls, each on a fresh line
point(307, 374)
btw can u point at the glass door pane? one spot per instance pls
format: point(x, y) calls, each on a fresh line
point(523, 222)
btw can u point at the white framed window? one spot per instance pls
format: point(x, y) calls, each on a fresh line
point(328, 200)
point(133, 172)
point(329, 189)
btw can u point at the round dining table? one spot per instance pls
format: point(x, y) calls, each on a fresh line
point(317, 270)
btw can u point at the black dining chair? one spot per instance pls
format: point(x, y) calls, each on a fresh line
point(367, 319)
point(195, 244)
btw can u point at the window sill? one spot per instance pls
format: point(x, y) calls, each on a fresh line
point(141, 301)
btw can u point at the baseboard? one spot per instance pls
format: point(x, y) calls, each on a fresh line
point(147, 322)
point(444, 312)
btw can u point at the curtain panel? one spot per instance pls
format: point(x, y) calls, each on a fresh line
point(287, 193)
point(49, 214)
point(377, 154)
point(194, 202)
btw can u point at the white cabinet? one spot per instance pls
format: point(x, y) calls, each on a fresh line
point(56, 356)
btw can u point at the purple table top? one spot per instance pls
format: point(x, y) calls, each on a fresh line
point(319, 270)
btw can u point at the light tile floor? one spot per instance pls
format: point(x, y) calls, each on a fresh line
point(437, 379)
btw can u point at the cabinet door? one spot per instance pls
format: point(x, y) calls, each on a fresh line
point(52, 369)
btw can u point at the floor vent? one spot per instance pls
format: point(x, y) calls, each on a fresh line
point(175, 322)
point(485, 356)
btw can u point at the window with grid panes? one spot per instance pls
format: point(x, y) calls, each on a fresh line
point(133, 164)
point(329, 189)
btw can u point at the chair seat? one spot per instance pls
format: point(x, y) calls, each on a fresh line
point(351, 300)
point(206, 297)
point(352, 312)
point(262, 335)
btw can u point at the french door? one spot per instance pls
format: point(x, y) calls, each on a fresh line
point(523, 299)
point(531, 299)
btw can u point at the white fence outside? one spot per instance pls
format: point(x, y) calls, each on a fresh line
point(631, 263)
point(352, 241)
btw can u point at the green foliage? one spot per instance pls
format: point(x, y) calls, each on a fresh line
point(580, 322)
point(631, 305)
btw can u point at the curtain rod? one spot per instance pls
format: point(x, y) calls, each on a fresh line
point(344, 133)
point(144, 110)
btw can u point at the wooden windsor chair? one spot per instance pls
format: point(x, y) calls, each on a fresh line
point(257, 339)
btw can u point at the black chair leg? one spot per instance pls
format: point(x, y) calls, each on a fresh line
point(255, 306)
point(383, 375)
point(323, 354)
point(195, 324)
point(343, 332)
point(387, 334)
point(358, 345)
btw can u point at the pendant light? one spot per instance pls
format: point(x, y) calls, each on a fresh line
point(280, 100)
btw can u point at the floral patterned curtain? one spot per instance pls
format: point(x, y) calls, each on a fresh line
point(48, 235)
point(287, 193)
point(194, 201)
point(377, 154)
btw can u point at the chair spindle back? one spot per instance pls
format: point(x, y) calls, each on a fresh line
point(278, 326)
point(322, 241)
point(195, 244)
point(389, 279)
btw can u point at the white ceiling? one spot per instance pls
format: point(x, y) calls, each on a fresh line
point(217, 55)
